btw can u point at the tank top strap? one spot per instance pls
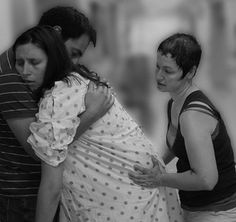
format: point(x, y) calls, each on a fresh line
point(199, 102)
point(169, 119)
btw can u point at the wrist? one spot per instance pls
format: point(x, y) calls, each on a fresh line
point(88, 115)
point(160, 180)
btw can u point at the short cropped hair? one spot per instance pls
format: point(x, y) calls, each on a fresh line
point(73, 23)
point(184, 48)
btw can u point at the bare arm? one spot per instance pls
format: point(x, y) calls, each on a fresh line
point(196, 128)
point(20, 128)
point(49, 192)
point(98, 102)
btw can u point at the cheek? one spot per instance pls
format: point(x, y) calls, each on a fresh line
point(171, 83)
point(18, 69)
point(40, 73)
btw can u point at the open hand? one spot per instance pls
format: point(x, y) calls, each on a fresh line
point(144, 177)
point(98, 100)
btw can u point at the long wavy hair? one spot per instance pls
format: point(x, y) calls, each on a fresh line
point(59, 66)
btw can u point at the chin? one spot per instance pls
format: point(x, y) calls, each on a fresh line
point(161, 88)
point(33, 88)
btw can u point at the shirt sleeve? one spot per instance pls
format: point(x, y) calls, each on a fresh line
point(16, 99)
point(57, 121)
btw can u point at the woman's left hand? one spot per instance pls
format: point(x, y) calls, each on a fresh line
point(148, 178)
point(98, 100)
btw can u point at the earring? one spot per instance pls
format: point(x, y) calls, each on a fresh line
point(57, 28)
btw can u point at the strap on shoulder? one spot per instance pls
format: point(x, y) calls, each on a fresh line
point(201, 107)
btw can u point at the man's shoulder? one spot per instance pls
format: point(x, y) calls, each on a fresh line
point(7, 62)
point(8, 73)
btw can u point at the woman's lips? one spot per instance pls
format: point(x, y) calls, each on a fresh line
point(28, 81)
point(160, 84)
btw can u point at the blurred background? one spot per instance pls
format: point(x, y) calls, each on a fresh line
point(128, 34)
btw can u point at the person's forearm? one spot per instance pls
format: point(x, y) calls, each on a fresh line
point(86, 120)
point(20, 128)
point(49, 192)
point(47, 204)
point(188, 181)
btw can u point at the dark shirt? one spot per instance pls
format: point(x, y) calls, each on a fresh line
point(19, 173)
point(226, 185)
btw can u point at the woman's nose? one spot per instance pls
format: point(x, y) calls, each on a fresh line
point(159, 74)
point(75, 61)
point(26, 70)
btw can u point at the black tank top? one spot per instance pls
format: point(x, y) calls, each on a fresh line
point(226, 184)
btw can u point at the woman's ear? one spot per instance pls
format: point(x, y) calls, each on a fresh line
point(57, 28)
point(192, 73)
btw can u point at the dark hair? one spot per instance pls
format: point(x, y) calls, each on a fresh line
point(73, 23)
point(88, 74)
point(184, 48)
point(58, 65)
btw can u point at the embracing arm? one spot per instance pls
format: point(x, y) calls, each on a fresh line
point(49, 192)
point(20, 128)
point(196, 129)
point(98, 100)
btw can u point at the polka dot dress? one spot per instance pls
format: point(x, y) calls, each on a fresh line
point(96, 187)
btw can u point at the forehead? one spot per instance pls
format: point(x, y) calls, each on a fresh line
point(29, 50)
point(166, 60)
point(80, 43)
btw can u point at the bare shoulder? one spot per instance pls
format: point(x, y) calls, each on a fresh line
point(193, 120)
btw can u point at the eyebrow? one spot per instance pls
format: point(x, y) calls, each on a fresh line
point(166, 67)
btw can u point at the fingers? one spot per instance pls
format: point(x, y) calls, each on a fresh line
point(140, 169)
point(139, 178)
point(109, 99)
point(154, 161)
point(101, 93)
point(112, 100)
point(91, 86)
point(101, 89)
point(105, 81)
point(145, 181)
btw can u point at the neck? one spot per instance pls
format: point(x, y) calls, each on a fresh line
point(182, 93)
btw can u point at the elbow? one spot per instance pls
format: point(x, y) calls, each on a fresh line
point(54, 196)
point(56, 191)
point(209, 183)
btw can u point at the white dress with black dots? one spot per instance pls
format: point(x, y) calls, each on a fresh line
point(96, 187)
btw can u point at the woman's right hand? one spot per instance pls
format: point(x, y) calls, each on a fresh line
point(98, 100)
point(146, 177)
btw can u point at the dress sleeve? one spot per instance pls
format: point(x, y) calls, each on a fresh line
point(57, 121)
